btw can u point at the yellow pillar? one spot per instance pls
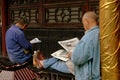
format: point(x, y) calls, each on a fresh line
point(110, 39)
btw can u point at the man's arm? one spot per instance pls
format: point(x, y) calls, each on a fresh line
point(82, 53)
point(23, 42)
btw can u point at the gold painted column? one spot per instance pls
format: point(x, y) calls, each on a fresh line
point(110, 39)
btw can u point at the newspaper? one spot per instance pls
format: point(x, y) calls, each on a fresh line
point(68, 46)
point(35, 40)
point(60, 54)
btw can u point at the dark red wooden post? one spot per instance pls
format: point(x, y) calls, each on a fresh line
point(4, 24)
point(87, 5)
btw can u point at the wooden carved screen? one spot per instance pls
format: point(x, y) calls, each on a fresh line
point(67, 14)
point(51, 13)
point(29, 8)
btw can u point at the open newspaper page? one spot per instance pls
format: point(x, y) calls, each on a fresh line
point(35, 40)
point(68, 46)
point(60, 54)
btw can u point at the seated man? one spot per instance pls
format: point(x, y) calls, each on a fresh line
point(18, 48)
point(54, 64)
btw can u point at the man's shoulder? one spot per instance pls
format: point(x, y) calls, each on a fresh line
point(87, 37)
point(14, 29)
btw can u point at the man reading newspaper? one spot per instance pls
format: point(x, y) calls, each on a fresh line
point(61, 59)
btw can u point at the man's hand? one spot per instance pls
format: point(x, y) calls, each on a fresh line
point(68, 54)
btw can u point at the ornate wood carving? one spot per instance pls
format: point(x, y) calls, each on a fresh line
point(29, 8)
point(63, 15)
point(17, 2)
point(32, 14)
point(51, 13)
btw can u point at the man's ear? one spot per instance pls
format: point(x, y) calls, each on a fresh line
point(25, 26)
point(86, 22)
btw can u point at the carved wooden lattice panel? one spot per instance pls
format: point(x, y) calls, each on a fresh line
point(28, 8)
point(16, 2)
point(31, 14)
point(51, 13)
point(59, 1)
point(63, 15)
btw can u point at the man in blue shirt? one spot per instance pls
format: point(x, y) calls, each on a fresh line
point(18, 48)
point(86, 55)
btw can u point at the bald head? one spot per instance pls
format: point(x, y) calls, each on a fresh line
point(90, 15)
point(89, 20)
